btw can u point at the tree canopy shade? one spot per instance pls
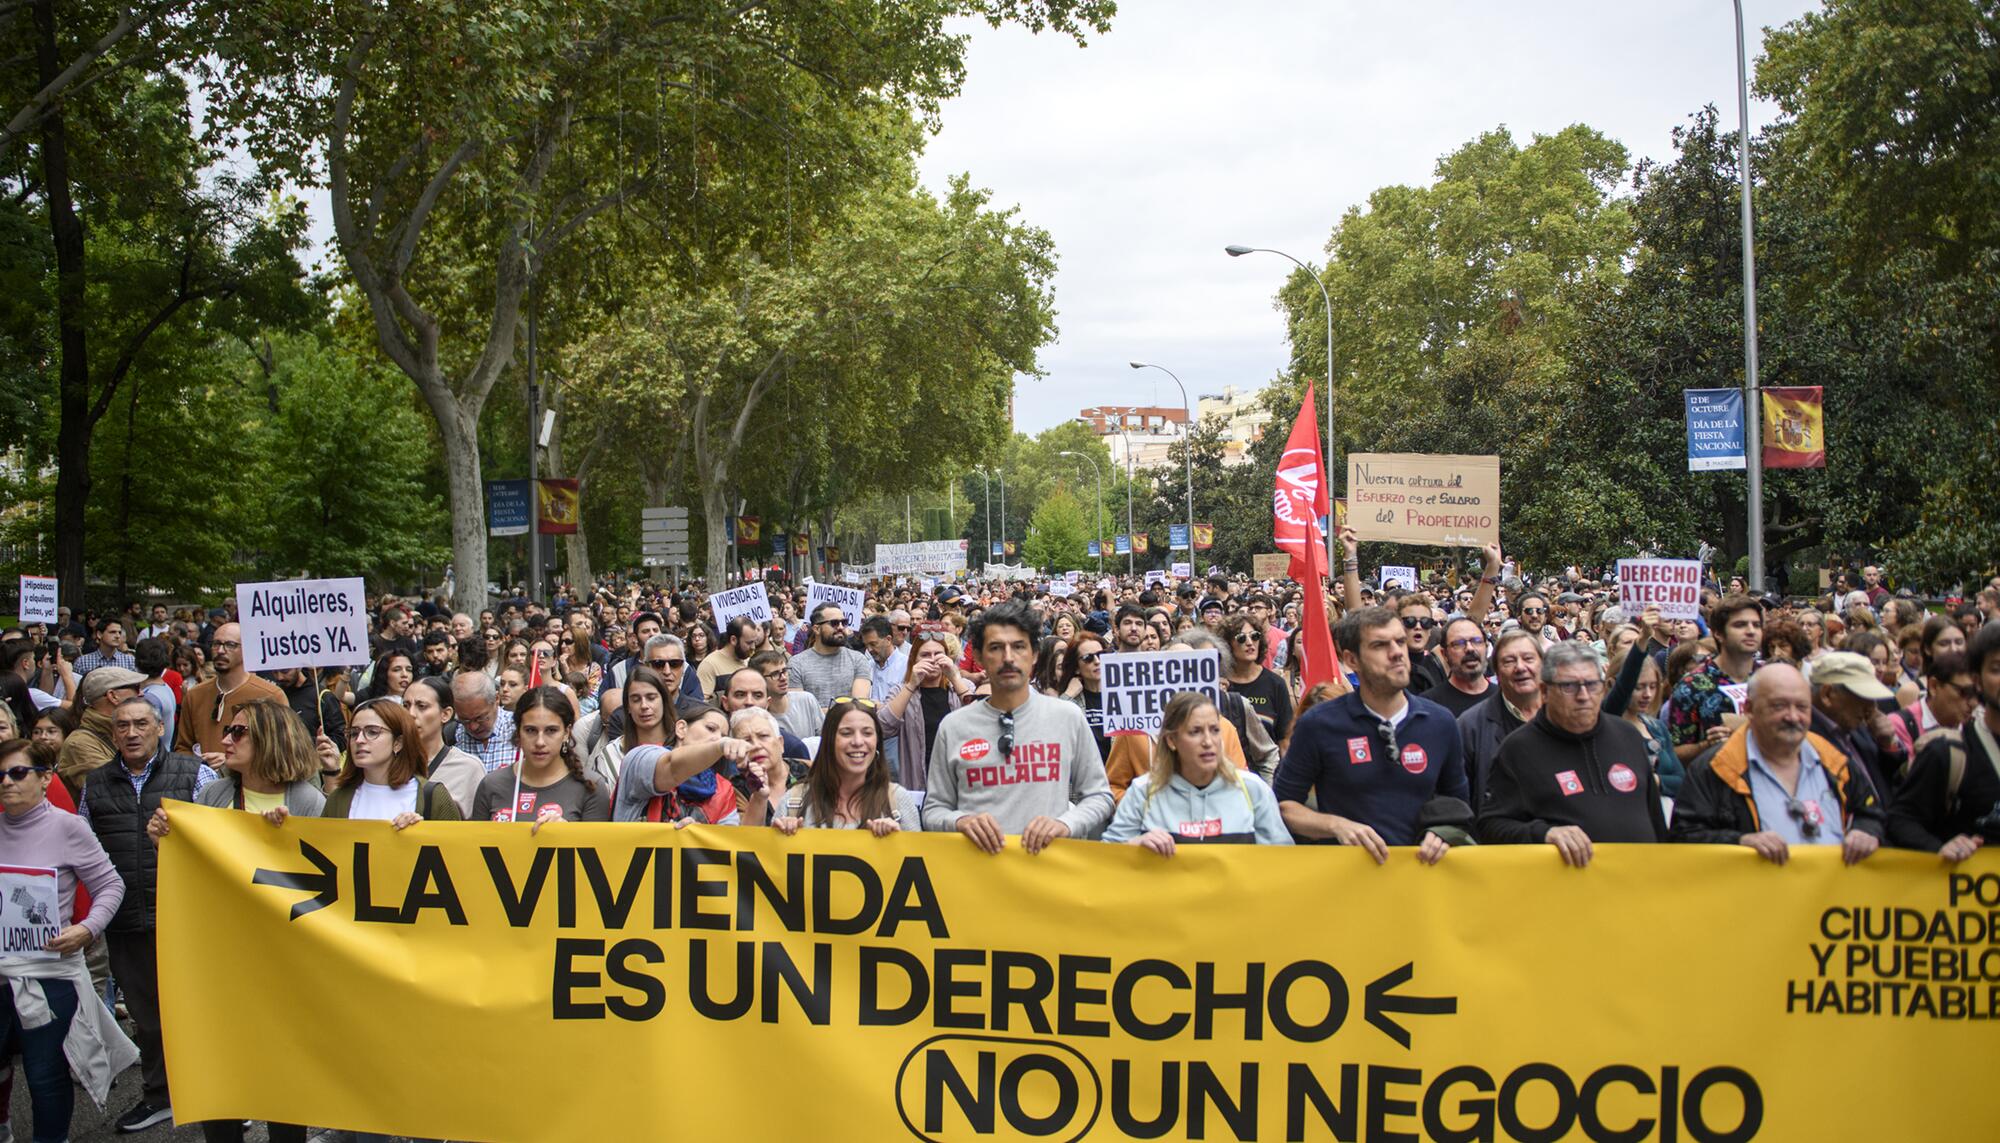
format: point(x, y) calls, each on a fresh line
point(466, 146)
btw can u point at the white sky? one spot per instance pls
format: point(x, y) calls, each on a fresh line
point(1195, 124)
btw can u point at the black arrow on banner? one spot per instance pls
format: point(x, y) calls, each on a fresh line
point(325, 885)
point(1380, 1002)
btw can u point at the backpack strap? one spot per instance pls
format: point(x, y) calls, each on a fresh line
point(1954, 762)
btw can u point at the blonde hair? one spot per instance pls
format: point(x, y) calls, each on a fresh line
point(280, 750)
point(1166, 761)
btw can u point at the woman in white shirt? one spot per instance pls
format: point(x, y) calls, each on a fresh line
point(384, 776)
point(429, 702)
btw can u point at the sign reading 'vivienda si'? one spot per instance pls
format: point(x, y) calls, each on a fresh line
point(303, 623)
point(1409, 498)
point(746, 600)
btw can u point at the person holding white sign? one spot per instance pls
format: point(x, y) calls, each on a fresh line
point(44, 855)
point(1193, 794)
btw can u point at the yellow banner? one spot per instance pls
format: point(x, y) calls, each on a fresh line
point(469, 981)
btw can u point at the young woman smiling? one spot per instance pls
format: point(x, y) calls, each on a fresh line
point(849, 786)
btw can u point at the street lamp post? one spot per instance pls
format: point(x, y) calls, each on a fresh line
point(1128, 487)
point(1187, 452)
point(988, 478)
point(1240, 251)
point(1097, 517)
point(1753, 407)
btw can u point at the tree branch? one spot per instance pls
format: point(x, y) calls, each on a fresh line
point(38, 105)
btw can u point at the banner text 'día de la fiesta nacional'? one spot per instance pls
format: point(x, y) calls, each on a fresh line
point(470, 981)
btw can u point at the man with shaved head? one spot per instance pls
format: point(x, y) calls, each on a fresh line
point(1773, 783)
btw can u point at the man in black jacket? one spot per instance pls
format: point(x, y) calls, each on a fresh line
point(1950, 802)
point(1511, 704)
point(118, 799)
point(1572, 776)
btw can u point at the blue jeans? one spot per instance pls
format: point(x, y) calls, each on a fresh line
point(51, 1094)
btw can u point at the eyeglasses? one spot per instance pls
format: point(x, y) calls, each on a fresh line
point(1413, 623)
point(1007, 735)
point(544, 653)
point(1967, 691)
point(366, 733)
point(1467, 642)
point(1534, 611)
point(850, 700)
point(20, 773)
point(234, 730)
point(1577, 688)
point(831, 623)
point(903, 627)
point(1246, 637)
point(226, 645)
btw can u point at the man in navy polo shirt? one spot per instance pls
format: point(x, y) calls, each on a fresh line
point(1374, 756)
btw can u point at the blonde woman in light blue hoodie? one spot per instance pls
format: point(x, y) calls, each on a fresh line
point(1193, 795)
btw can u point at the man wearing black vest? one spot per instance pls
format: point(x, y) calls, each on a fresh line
point(117, 800)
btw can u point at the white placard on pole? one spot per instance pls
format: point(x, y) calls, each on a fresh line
point(1138, 685)
point(848, 599)
point(746, 600)
point(1673, 586)
point(38, 599)
point(1183, 571)
point(303, 623)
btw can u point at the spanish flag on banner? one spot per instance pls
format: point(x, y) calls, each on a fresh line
point(1204, 537)
point(747, 528)
point(560, 506)
point(1139, 543)
point(1794, 428)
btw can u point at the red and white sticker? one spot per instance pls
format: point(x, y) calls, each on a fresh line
point(1357, 751)
point(1210, 828)
point(975, 749)
point(1569, 783)
point(550, 813)
point(1623, 779)
point(1414, 758)
point(524, 804)
point(1814, 814)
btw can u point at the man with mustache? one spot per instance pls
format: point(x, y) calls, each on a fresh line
point(1465, 684)
point(1019, 762)
point(1773, 783)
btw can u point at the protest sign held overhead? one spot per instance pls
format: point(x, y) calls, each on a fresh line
point(38, 599)
point(746, 600)
point(303, 623)
point(848, 599)
point(1137, 685)
point(1673, 586)
point(1409, 498)
point(1402, 575)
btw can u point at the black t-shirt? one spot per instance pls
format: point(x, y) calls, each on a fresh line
point(1093, 712)
point(1457, 701)
point(1268, 696)
point(937, 704)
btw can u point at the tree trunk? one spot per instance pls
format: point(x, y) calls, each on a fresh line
point(715, 506)
point(460, 434)
point(73, 433)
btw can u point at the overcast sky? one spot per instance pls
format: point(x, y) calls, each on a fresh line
point(1193, 125)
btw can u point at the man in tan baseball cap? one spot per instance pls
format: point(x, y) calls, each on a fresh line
point(1850, 707)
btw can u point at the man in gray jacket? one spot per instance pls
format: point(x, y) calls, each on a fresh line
point(1019, 762)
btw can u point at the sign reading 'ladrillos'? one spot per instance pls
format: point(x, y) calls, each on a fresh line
point(303, 623)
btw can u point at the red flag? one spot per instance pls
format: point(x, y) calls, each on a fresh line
point(1297, 503)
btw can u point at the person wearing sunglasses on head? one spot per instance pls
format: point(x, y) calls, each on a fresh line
point(1574, 775)
point(1019, 762)
point(931, 689)
point(119, 800)
point(1773, 784)
point(71, 1033)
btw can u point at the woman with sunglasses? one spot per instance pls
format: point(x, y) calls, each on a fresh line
point(932, 688)
point(1085, 685)
point(1269, 696)
point(61, 852)
point(549, 782)
point(430, 704)
point(849, 785)
point(1194, 793)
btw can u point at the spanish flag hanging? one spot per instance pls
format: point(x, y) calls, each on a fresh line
point(1794, 428)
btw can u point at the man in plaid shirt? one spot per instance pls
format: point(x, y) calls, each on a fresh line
point(110, 651)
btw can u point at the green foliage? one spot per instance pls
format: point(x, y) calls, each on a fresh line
point(1058, 533)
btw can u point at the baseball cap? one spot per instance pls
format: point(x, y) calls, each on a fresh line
point(1834, 669)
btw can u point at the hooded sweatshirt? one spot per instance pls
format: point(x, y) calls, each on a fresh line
point(1242, 811)
point(1546, 776)
point(1053, 769)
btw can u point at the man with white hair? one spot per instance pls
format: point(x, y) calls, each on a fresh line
point(484, 730)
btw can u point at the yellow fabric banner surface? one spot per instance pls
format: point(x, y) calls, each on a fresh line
point(470, 981)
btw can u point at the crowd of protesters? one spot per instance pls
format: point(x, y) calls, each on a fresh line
point(1493, 710)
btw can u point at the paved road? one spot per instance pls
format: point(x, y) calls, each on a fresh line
point(94, 1126)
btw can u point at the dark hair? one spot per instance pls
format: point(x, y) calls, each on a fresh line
point(640, 676)
point(822, 784)
point(408, 762)
point(646, 616)
point(1347, 632)
point(1935, 626)
point(1863, 643)
point(1049, 663)
point(1947, 666)
point(1236, 624)
point(1125, 609)
point(1789, 634)
point(152, 655)
point(814, 619)
point(41, 755)
point(1073, 658)
point(438, 687)
point(553, 700)
point(1719, 617)
point(378, 683)
point(740, 624)
point(1985, 644)
point(880, 625)
point(58, 715)
point(1009, 614)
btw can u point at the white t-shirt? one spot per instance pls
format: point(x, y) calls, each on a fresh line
point(383, 803)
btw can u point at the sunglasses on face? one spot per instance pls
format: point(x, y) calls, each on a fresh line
point(666, 664)
point(20, 773)
point(1412, 623)
point(1090, 657)
point(1577, 688)
point(1245, 637)
point(234, 731)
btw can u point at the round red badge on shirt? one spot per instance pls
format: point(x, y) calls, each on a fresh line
point(1414, 758)
point(974, 749)
point(1623, 779)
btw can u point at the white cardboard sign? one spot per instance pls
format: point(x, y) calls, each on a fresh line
point(303, 623)
point(746, 600)
point(38, 599)
point(1138, 685)
point(29, 916)
point(848, 599)
point(1674, 586)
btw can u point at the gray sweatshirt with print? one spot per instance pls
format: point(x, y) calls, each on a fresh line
point(1053, 769)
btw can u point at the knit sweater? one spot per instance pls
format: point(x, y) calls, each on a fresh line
point(45, 837)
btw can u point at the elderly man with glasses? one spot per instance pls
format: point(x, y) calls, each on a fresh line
point(1572, 775)
point(484, 730)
